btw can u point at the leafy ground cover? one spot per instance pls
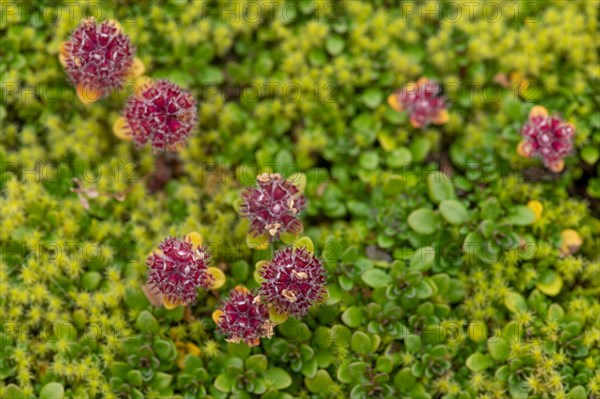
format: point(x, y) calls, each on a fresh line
point(457, 267)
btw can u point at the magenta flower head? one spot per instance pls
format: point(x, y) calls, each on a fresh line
point(293, 281)
point(273, 206)
point(242, 317)
point(161, 113)
point(97, 58)
point(423, 101)
point(177, 269)
point(547, 137)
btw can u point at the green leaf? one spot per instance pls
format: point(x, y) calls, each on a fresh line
point(276, 316)
point(502, 373)
point(343, 373)
point(498, 348)
point(454, 211)
point(277, 378)
point(372, 98)
point(439, 187)
point(423, 221)
point(13, 392)
point(258, 242)
point(320, 383)
point(413, 343)
point(135, 378)
point(515, 302)
point(550, 283)
point(404, 380)
point(442, 282)
point(424, 289)
point(369, 160)
point(334, 44)
point(360, 343)
point(479, 362)
point(164, 350)
point(224, 382)
point(210, 74)
point(305, 242)
point(590, 154)
point(521, 215)
point(423, 259)
point(256, 363)
point(376, 278)
point(53, 390)
point(90, 280)
point(385, 364)
point(161, 381)
point(491, 209)
point(120, 369)
point(399, 157)
point(146, 322)
point(578, 392)
point(357, 369)
point(353, 317)
point(299, 180)
point(420, 148)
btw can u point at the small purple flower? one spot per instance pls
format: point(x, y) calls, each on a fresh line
point(98, 57)
point(547, 137)
point(177, 269)
point(423, 101)
point(273, 206)
point(163, 114)
point(293, 281)
point(242, 317)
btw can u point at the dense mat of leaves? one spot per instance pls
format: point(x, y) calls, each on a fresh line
point(455, 267)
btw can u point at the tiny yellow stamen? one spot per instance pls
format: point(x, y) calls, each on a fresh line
point(137, 68)
point(141, 84)
point(557, 166)
point(289, 295)
point(242, 289)
point(170, 305)
point(571, 241)
point(537, 208)
point(196, 239)
point(89, 22)
point(394, 102)
point(121, 129)
point(300, 275)
point(219, 278)
point(87, 94)
point(415, 123)
point(522, 149)
point(263, 178)
point(116, 24)
point(273, 228)
point(442, 117)
point(193, 349)
point(216, 315)
point(538, 110)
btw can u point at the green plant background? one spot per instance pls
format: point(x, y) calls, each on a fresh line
point(423, 269)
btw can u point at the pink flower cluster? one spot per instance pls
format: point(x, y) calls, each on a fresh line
point(547, 137)
point(98, 56)
point(424, 102)
point(177, 269)
point(242, 317)
point(273, 206)
point(162, 114)
point(292, 282)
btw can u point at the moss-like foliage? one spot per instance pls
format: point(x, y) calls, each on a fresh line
point(456, 268)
